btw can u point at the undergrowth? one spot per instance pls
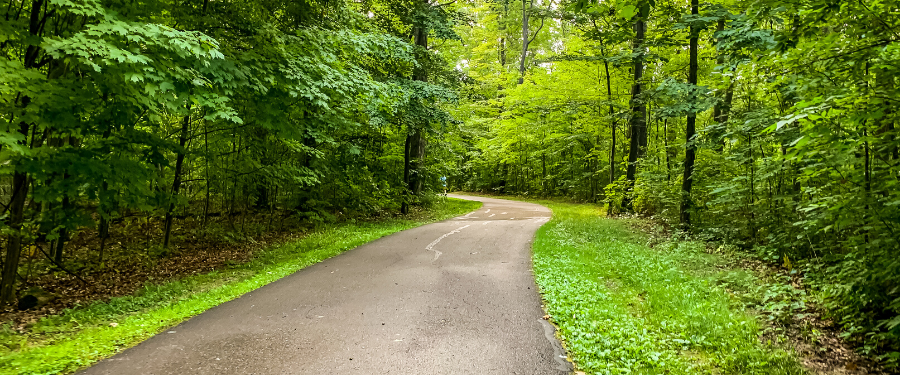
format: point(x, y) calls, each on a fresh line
point(623, 307)
point(83, 335)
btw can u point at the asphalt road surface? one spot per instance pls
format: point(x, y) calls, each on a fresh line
point(454, 297)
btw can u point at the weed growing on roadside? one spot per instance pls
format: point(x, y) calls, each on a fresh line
point(625, 308)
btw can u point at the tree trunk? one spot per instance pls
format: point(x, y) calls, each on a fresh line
point(66, 205)
point(722, 108)
point(612, 125)
point(638, 116)
point(666, 146)
point(20, 181)
point(176, 182)
point(690, 148)
point(525, 42)
point(103, 228)
point(502, 26)
point(63, 233)
point(206, 160)
point(414, 155)
point(14, 241)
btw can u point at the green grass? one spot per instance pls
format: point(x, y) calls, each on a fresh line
point(82, 336)
point(625, 308)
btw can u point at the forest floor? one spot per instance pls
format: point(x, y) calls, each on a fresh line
point(630, 296)
point(155, 289)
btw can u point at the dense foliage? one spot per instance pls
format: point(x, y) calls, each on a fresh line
point(766, 124)
point(170, 109)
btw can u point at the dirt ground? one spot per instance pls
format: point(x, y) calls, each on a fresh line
point(133, 256)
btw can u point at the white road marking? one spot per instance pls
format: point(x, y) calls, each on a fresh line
point(430, 246)
point(486, 222)
point(492, 215)
point(503, 213)
point(488, 210)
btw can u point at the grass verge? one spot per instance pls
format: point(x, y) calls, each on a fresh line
point(623, 307)
point(84, 335)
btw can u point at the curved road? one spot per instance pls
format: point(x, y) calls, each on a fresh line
point(454, 297)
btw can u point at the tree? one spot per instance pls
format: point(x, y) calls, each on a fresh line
point(637, 122)
point(690, 149)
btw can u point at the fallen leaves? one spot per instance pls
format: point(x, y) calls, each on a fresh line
point(128, 264)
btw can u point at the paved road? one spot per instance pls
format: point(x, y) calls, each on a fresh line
point(455, 297)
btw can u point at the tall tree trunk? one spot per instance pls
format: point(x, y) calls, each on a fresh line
point(612, 123)
point(14, 241)
point(206, 170)
point(63, 233)
point(525, 42)
point(722, 108)
point(66, 205)
point(867, 174)
point(501, 21)
point(176, 182)
point(690, 148)
point(20, 180)
point(103, 228)
point(414, 155)
point(636, 121)
point(666, 146)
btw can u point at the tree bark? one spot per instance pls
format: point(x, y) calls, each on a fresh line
point(612, 124)
point(502, 26)
point(14, 241)
point(690, 148)
point(666, 146)
point(638, 116)
point(722, 108)
point(176, 182)
point(525, 42)
point(20, 181)
point(414, 155)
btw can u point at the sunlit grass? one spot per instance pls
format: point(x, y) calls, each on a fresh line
point(81, 336)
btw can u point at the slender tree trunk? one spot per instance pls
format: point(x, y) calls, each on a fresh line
point(14, 242)
point(690, 148)
point(20, 180)
point(666, 146)
point(103, 229)
point(638, 116)
point(63, 233)
point(722, 108)
point(206, 160)
point(717, 108)
point(502, 26)
point(867, 174)
point(612, 121)
point(66, 205)
point(176, 182)
point(525, 41)
point(103, 232)
point(414, 155)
